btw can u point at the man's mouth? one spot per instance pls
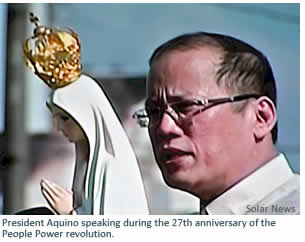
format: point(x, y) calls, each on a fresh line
point(168, 155)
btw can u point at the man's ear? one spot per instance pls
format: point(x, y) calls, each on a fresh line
point(266, 117)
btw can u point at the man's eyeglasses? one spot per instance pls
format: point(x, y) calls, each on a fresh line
point(182, 110)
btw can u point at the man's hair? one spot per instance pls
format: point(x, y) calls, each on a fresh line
point(242, 69)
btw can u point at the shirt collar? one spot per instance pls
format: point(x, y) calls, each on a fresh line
point(252, 189)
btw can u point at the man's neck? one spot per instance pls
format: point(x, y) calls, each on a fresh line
point(246, 166)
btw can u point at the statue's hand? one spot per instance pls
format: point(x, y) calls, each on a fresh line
point(60, 199)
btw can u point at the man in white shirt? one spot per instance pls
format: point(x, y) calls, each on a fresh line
point(212, 119)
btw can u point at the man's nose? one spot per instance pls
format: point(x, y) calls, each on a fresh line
point(168, 126)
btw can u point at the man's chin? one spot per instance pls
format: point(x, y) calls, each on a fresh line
point(175, 165)
point(176, 179)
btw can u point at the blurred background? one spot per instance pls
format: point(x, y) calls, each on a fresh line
point(117, 41)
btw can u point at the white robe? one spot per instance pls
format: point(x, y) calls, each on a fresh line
point(110, 182)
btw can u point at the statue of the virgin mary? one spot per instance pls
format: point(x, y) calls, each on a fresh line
point(106, 179)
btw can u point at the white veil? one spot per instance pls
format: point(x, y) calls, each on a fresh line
point(113, 182)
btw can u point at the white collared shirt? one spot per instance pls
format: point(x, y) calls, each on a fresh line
point(271, 189)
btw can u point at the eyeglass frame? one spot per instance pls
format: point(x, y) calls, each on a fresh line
point(143, 118)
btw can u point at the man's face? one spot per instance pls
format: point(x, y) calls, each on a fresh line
point(198, 154)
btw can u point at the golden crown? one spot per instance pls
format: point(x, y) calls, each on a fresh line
point(53, 54)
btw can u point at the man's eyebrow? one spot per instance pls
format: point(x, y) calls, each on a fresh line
point(175, 98)
point(168, 99)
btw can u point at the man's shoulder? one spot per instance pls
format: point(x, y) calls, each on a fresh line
point(285, 199)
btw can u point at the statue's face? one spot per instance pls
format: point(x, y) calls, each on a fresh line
point(64, 123)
